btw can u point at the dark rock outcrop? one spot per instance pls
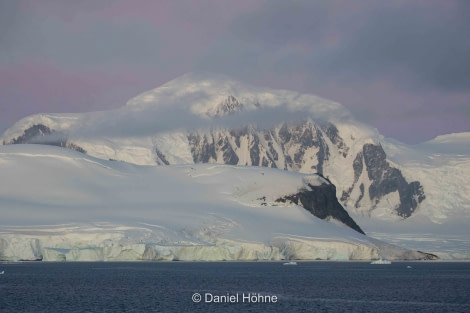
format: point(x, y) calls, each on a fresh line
point(33, 133)
point(230, 157)
point(386, 179)
point(332, 133)
point(321, 201)
point(428, 256)
point(41, 134)
point(161, 158)
point(202, 149)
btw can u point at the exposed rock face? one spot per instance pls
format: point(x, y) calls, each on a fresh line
point(41, 134)
point(386, 179)
point(321, 201)
point(161, 158)
point(332, 133)
point(307, 147)
point(33, 133)
point(286, 147)
point(202, 148)
point(428, 256)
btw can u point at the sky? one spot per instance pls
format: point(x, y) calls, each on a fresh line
point(402, 67)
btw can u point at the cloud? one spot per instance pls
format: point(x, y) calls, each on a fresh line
point(338, 49)
point(380, 59)
point(8, 20)
point(127, 122)
point(422, 44)
point(47, 88)
point(281, 23)
point(157, 34)
point(96, 43)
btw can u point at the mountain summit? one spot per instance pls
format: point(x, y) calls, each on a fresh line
point(211, 95)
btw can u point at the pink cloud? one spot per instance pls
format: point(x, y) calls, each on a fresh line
point(184, 29)
point(33, 87)
point(167, 11)
point(155, 11)
point(204, 20)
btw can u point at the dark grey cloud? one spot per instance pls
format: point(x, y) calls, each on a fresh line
point(98, 43)
point(410, 43)
point(282, 22)
point(9, 22)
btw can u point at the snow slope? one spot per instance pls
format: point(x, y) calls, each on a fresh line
point(59, 204)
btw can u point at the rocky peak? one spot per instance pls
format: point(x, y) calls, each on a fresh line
point(31, 134)
point(41, 134)
point(229, 106)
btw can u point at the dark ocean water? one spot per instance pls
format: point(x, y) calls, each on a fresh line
point(170, 287)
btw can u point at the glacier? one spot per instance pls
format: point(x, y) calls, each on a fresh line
point(62, 205)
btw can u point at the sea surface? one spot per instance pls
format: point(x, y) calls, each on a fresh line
point(235, 287)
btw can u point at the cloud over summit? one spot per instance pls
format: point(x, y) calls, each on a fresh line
point(380, 59)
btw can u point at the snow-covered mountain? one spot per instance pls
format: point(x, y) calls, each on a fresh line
point(219, 120)
point(205, 118)
point(60, 205)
